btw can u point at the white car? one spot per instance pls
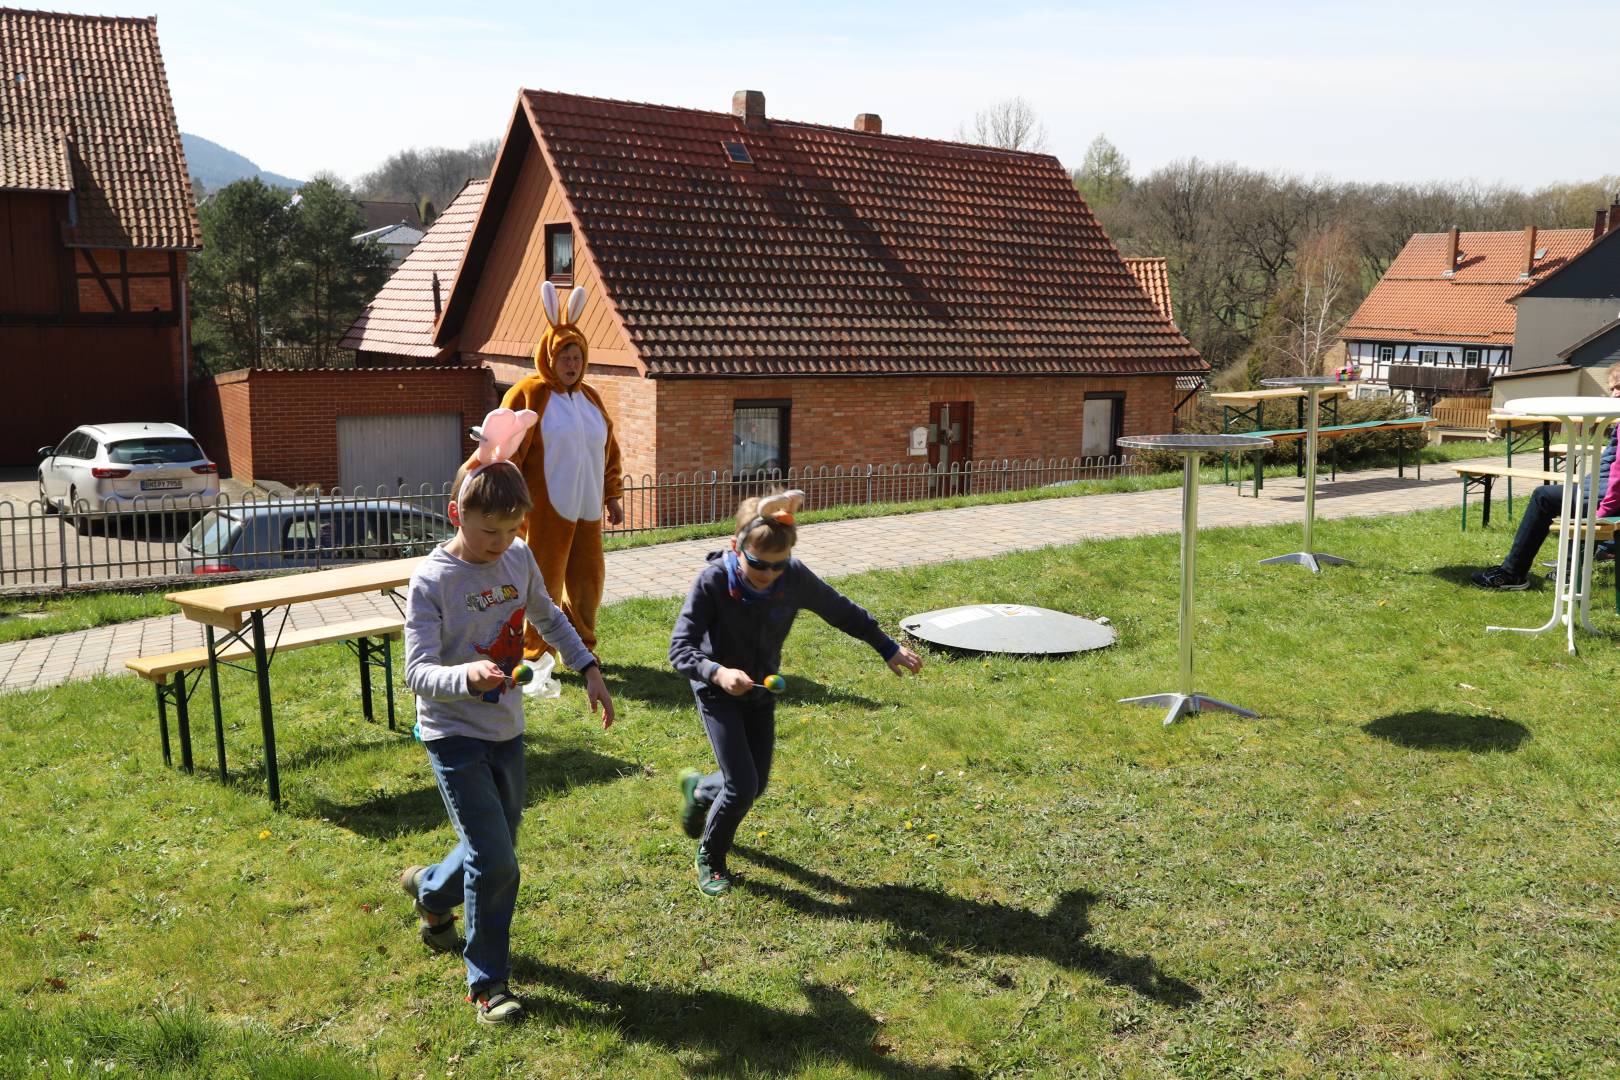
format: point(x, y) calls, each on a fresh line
point(145, 467)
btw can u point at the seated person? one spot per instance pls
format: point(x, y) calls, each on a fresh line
point(1542, 510)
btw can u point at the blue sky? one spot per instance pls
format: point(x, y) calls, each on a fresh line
point(1386, 91)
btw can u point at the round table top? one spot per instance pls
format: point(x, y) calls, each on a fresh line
point(1192, 444)
point(1583, 408)
point(1306, 381)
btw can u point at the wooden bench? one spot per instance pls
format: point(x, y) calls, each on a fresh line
point(1481, 477)
point(1336, 431)
point(167, 671)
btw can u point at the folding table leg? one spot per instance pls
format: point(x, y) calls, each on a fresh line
point(388, 663)
point(266, 719)
point(1485, 519)
point(163, 720)
point(213, 685)
point(365, 677)
point(180, 713)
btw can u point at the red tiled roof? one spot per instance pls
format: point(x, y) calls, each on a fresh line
point(400, 319)
point(1154, 277)
point(1415, 301)
point(842, 252)
point(86, 108)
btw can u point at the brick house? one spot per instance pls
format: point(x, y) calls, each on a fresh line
point(767, 292)
point(96, 225)
point(1440, 322)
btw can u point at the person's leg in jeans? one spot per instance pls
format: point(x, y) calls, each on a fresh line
point(482, 786)
point(743, 734)
point(1540, 511)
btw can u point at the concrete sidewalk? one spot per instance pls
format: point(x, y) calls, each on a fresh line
point(833, 548)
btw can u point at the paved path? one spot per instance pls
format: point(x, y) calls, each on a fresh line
point(851, 546)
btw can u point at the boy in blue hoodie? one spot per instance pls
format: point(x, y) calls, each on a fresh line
point(727, 639)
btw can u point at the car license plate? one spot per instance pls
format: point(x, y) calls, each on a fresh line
point(159, 485)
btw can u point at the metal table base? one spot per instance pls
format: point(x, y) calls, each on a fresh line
point(1313, 386)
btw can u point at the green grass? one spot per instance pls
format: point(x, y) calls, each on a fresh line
point(1405, 867)
point(32, 617)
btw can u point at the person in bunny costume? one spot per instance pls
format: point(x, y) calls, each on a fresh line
point(570, 460)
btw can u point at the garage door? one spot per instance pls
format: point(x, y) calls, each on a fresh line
point(395, 450)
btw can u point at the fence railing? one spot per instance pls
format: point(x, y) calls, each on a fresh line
point(47, 548)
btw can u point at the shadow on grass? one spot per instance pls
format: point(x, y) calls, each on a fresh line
point(1425, 729)
point(1338, 489)
point(421, 809)
point(938, 925)
point(741, 1037)
point(664, 686)
point(1462, 575)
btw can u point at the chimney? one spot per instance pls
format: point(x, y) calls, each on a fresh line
point(1527, 263)
point(1614, 213)
point(869, 123)
point(748, 106)
point(438, 308)
point(1599, 225)
point(1451, 252)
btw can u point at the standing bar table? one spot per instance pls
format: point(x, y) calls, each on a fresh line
point(1313, 385)
point(1186, 700)
point(1584, 419)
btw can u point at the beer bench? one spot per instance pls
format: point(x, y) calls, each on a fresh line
point(239, 609)
point(1481, 477)
point(168, 671)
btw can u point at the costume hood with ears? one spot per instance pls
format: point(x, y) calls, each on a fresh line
point(560, 331)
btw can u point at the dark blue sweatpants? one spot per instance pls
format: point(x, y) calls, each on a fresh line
point(742, 731)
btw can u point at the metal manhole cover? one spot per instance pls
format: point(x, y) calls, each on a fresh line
point(1009, 628)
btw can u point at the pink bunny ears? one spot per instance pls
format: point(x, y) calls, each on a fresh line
point(498, 439)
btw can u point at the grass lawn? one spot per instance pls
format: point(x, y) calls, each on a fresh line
point(1406, 867)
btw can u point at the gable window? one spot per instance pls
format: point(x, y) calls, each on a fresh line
point(759, 436)
point(560, 253)
point(1470, 358)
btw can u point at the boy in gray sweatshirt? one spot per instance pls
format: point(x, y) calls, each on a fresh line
point(463, 637)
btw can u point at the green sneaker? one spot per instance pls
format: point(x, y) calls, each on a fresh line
point(497, 1006)
point(713, 877)
point(692, 812)
point(437, 931)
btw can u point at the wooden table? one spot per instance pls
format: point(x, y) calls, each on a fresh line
point(228, 607)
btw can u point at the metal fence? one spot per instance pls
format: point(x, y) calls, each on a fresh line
point(44, 549)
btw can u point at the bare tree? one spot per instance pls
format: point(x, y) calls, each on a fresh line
point(1315, 307)
point(1010, 124)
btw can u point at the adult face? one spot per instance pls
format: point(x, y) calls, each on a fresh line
point(569, 364)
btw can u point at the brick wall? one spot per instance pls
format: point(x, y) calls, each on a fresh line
point(631, 402)
point(282, 425)
point(866, 420)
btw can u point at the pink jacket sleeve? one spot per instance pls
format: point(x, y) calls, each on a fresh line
point(1609, 506)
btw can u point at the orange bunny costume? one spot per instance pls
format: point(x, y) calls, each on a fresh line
point(571, 462)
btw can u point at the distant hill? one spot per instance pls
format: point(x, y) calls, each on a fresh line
point(216, 166)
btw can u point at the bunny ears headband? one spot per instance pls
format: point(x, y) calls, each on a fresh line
point(775, 509)
point(552, 302)
point(498, 439)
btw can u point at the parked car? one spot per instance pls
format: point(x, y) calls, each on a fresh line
point(290, 534)
point(127, 467)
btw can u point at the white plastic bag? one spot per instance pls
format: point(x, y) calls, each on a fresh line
point(543, 685)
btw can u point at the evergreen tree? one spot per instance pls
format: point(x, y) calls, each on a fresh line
point(333, 275)
point(240, 287)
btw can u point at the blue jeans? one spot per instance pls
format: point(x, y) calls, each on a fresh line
point(1540, 511)
point(482, 785)
point(742, 731)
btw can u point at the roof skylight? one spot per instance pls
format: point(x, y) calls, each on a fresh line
point(737, 152)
